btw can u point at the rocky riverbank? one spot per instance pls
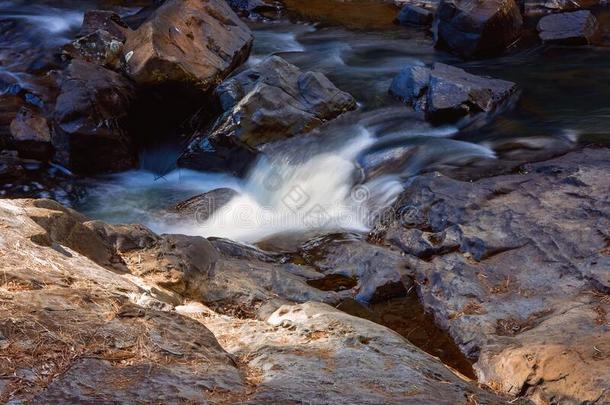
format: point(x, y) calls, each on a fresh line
point(477, 270)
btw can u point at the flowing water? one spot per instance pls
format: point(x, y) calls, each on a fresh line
point(318, 181)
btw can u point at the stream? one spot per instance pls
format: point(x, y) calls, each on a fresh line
point(562, 104)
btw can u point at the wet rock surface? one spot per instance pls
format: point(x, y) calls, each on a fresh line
point(515, 267)
point(446, 93)
point(472, 28)
point(271, 101)
point(89, 116)
point(415, 15)
point(575, 28)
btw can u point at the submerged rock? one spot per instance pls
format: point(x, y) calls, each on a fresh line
point(187, 42)
point(202, 206)
point(271, 101)
point(515, 267)
point(473, 28)
point(446, 93)
point(89, 113)
point(575, 28)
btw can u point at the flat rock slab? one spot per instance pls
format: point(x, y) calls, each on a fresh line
point(574, 28)
point(517, 269)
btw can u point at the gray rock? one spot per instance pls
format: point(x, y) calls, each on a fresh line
point(446, 93)
point(268, 102)
point(202, 206)
point(515, 268)
point(473, 28)
point(414, 15)
point(574, 28)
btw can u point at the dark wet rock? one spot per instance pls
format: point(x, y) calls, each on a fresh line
point(473, 28)
point(414, 15)
point(380, 272)
point(188, 42)
point(100, 40)
point(31, 136)
point(202, 206)
point(89, 114)
point(575, 28)
point(109, 21)
point(515, 267)
point(446, 93)
point(540, 7)
point(252, 6)
point(271, 101)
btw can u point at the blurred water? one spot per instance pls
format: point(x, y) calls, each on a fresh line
point(564, 102)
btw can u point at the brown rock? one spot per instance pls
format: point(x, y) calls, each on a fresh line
point(31, 135)
point(188, 42)
point(89, 114)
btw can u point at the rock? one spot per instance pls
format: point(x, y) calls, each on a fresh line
point(473, 28)
point(538, 7)
point(100, 40)
point(379, 271)
point(414, 15)
point(202, 206)
point(31, 135)
point(575, 28)
point(188, 42)
point(271, 101)
point(251, 6)
point(317, 354)
point(446, 93)
point(89, 114)
point(109, 21)
point(431, 5)
point(515, 267)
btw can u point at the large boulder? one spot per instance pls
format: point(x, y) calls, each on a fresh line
point(473, 28)
point(574, 28)
point(188, 42)
point(89, 114)
point(446, 93)
point(268, 102)
point(515, 267)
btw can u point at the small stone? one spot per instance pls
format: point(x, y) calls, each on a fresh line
point(574, 28)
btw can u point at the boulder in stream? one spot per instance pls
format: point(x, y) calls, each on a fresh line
point(446, 93)
point(474, 28)
point(415, 15)
point(271, 101)
point(573, 28)
point(188, 42)
point(89, 113)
